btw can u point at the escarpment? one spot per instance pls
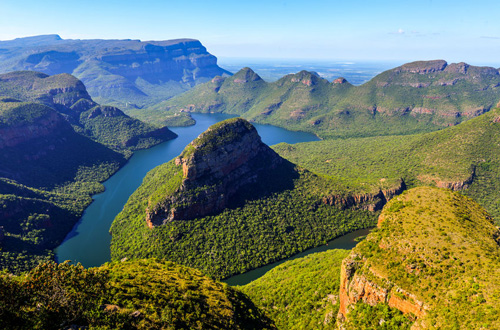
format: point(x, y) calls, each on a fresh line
point(434, 256)
point(129, 73)
point(369, 201)
point(218, 167)
point(413, 98)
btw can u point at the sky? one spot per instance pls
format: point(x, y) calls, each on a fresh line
point(355, 30)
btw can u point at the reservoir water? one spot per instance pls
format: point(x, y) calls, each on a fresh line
point(89, 241)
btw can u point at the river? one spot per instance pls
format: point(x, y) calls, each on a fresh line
point(89, 241)
point(345, 242)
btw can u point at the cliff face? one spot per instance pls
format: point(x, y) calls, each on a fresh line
point(356, 287)
point(433, 256)
point(371, 202)
point(120, 71)
point(48, 122)
point(216, 167)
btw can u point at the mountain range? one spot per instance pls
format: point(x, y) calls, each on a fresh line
point(414, 152)
point(126, 73)
point(415, 97)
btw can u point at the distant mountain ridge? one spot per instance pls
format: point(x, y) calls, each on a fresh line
point(416, 97)
point(121, 72)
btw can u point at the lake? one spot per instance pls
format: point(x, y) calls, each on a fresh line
point(89, 241)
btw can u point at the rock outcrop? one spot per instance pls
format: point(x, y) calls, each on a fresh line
point(371, 202)
point(356, 287)
point(423, 67)
point(419, 262)
point(216, 167)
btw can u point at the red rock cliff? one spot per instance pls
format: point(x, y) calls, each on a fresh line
point(217, 166)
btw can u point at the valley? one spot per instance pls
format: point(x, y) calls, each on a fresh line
point(88, 243)
point(167, 213)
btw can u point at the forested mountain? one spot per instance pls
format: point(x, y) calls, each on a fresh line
point(415, 97)
point(56, 145)
point(434, 257)
point(143, 294)
point(229, 203)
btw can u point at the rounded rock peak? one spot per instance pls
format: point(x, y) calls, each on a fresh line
point(246, 75)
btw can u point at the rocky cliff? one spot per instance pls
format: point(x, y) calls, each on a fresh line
point(216, 168)
point(29, 126)
point(119, 71)
point(433, 256)
point(369, 201)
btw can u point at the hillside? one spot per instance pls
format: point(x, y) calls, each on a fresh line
point(228, 204)
point(415, 97)
point(435, 257)
point(301, 293)
point(144, 294)
point(68, 95)
point(125, 73)
point(56, 146)
point(464, 157)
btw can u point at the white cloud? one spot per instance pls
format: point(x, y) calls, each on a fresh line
point(401, 31)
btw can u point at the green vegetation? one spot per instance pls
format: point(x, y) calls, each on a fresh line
point(379, 317)
point(443, 248)
point(144, 294)
point(151, 116)
point(401, 101)
point(67, 95)
point(125, 73)
point(466, 155)
point(49, 167)
point(255, 232)
point(301, 293)
point(111, 127)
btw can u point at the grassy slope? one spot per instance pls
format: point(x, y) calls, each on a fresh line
point(449, 155)
point(306, 102)
point(443, 248)
point(144, 294)
point(301, 293)
point(263, 230)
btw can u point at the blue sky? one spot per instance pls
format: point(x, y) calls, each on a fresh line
point(308, 29)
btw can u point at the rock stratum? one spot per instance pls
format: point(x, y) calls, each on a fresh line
point(127, 73)
point(415, 97)
point(434, 256)
point(226, 159)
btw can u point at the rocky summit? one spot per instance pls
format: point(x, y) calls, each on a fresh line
point(216, 168)
point(434, 257)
